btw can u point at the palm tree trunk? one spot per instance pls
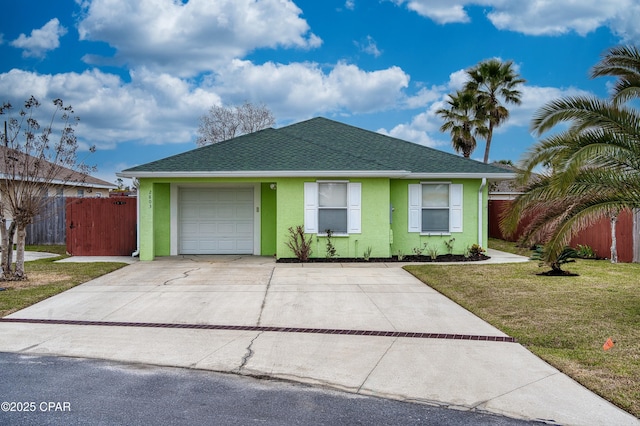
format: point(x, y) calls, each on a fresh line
point(488, 146)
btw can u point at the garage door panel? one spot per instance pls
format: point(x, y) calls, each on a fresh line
point(246, 195)
point(216, 221)
point(244, 228)
point(225, 212)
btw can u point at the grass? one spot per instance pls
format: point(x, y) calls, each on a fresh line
point(46, 278)
point(563, 320)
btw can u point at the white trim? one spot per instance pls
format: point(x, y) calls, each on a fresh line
point(456, 196)
point(505, 196)
point(480, 211)
point(310, 201)
point(415, 207)
point(396, 174)
point(270, 174)
point(70, 183)
point(354, 208)
point(257, 213)
point(173, 207)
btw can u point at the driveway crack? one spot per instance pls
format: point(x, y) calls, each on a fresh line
point(249, 353)
point(264, 299)
point(376, 366)
point(378, 308)
point(185, 274)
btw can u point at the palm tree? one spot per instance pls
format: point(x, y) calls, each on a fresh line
point(593, 165)
point(463, 121)
point(622, 62)
point(494, 81)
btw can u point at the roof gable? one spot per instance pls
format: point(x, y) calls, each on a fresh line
point(315, 145)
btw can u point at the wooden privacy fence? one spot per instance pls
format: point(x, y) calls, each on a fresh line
point(101, 226)
point(49, 226)
point(597, 236)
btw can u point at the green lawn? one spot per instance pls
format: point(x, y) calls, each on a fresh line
point(563, 320)
point(46, 278)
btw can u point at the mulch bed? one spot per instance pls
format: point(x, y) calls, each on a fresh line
point(412, 258)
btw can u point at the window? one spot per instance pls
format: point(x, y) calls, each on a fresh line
point(435, 208)
point(333, 205)
point(80, 193)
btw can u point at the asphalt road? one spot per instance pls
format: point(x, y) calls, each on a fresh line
point(70, 391)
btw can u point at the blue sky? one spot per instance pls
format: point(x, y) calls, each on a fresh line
point(140, 73)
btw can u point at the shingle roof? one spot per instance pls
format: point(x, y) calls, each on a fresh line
point(56, 173)
point(318, 144)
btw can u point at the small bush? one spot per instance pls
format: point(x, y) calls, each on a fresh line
point(367, 253)
point(476, 250)
point(419, 250)
point(433, 253)
point(331, 250)
point(299, 244)
point(449, 244)
point(586, 252)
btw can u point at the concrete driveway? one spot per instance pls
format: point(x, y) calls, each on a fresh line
point(367, 328)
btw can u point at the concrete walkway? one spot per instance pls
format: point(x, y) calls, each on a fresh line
point(283, 320)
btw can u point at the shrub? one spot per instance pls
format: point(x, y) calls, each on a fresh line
point(449, 245)
point(367, 253)
point(567, 255)
point(586, 252)
point(331, 250)
point(299, 244)
point(475, 250)
point(419, 250)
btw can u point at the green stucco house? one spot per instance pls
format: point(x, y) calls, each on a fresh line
point(372, 191)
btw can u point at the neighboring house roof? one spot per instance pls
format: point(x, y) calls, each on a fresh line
point(61, 175)
point(316, 147)
point(508, 186)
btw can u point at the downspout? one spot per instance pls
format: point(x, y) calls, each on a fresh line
point(480, 209)
point(136, 184)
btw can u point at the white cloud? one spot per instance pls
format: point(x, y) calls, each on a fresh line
point(369, 46)
point(539, 17)
point(189, 38)
point(299, 90)
point(41, 40)
point(413, 132)
point(533, 98)
point(158, 108)
point(350, 4)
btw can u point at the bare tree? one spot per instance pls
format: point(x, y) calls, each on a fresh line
point(34, 159)
point(222, 123)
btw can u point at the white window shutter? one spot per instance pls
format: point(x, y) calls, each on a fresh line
point(415, 207)
point(355, 195)
point(311, 207)
point(455, 208)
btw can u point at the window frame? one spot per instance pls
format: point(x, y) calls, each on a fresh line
point(322, 232)
point(312, 208)
point(433, 208)
point(456, 193)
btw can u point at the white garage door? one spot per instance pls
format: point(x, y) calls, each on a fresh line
point(215, 221)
